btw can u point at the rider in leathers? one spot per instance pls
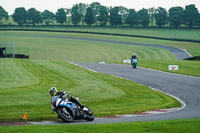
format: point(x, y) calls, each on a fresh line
point(54, 92)
point(133, 57)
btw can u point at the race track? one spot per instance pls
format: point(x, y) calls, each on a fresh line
point(185, 88)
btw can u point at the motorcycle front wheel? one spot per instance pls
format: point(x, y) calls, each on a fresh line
point(65, 115)
point(134, 66)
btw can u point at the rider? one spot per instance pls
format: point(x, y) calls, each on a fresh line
point(133, 57)
point(54, 92)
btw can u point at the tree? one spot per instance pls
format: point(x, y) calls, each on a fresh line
point(61, 16)
point(198, 22)
point(132, 18)
point(191, 15)
point(33, 16)
point(124, 13)
point(76, 16)
point(115, 18)
point(19, 16)
point(82, 10)
point(3, 14)
point(103, 17)
point(89, 16)
point(68, 14)
point(96, 10)
point(152, 12)
point(143, 17)
point(47, 17)
point(161, 16)
point(176, 16)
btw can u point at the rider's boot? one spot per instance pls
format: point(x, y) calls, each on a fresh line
point(75, 100)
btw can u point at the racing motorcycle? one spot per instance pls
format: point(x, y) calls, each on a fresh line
point(69, 111)
point(134, 62)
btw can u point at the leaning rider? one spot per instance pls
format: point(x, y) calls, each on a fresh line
point(54, 92)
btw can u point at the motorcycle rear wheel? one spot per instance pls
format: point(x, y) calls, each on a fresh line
point(89, 115)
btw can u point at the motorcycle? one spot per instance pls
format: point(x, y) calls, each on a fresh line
point(134, 63)
point(69, 111)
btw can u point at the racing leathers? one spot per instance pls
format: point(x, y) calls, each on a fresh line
point(70, 98)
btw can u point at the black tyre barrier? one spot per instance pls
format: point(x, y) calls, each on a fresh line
point(193, 58)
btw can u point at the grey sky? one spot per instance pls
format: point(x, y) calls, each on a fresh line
point(53, 5)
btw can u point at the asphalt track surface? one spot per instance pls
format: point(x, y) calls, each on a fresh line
point(185, 88)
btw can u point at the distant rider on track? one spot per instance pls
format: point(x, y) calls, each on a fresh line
point(133, 57)
point(134, 61)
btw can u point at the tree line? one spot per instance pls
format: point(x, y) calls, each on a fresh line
point(99, 15)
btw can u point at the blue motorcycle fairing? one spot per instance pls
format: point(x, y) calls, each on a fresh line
point(69, 104)
point(133, 61)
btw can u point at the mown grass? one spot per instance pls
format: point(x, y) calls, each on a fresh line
point(189, 34)
point(169, 126)
point(40, 45)
point(27, 92)
point(195, 52)
point(184, 67)
point(162, 33)
point(11, 36)
point(44, 47)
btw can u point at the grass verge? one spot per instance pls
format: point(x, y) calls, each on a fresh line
point(169, 126)
point(185, 67)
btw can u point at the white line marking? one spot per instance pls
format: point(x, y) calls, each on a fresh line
point(83, 67)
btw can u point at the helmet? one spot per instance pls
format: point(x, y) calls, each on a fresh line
point(134, 56)
point(52, 91)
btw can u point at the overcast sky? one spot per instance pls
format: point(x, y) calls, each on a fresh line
point(53, 5)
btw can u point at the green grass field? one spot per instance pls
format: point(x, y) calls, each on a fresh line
point(28, 81)
point(162, 33)
point(15, 35)
point(60, 49)
point(78, 50)
point(168, 126)
point(24, 83)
